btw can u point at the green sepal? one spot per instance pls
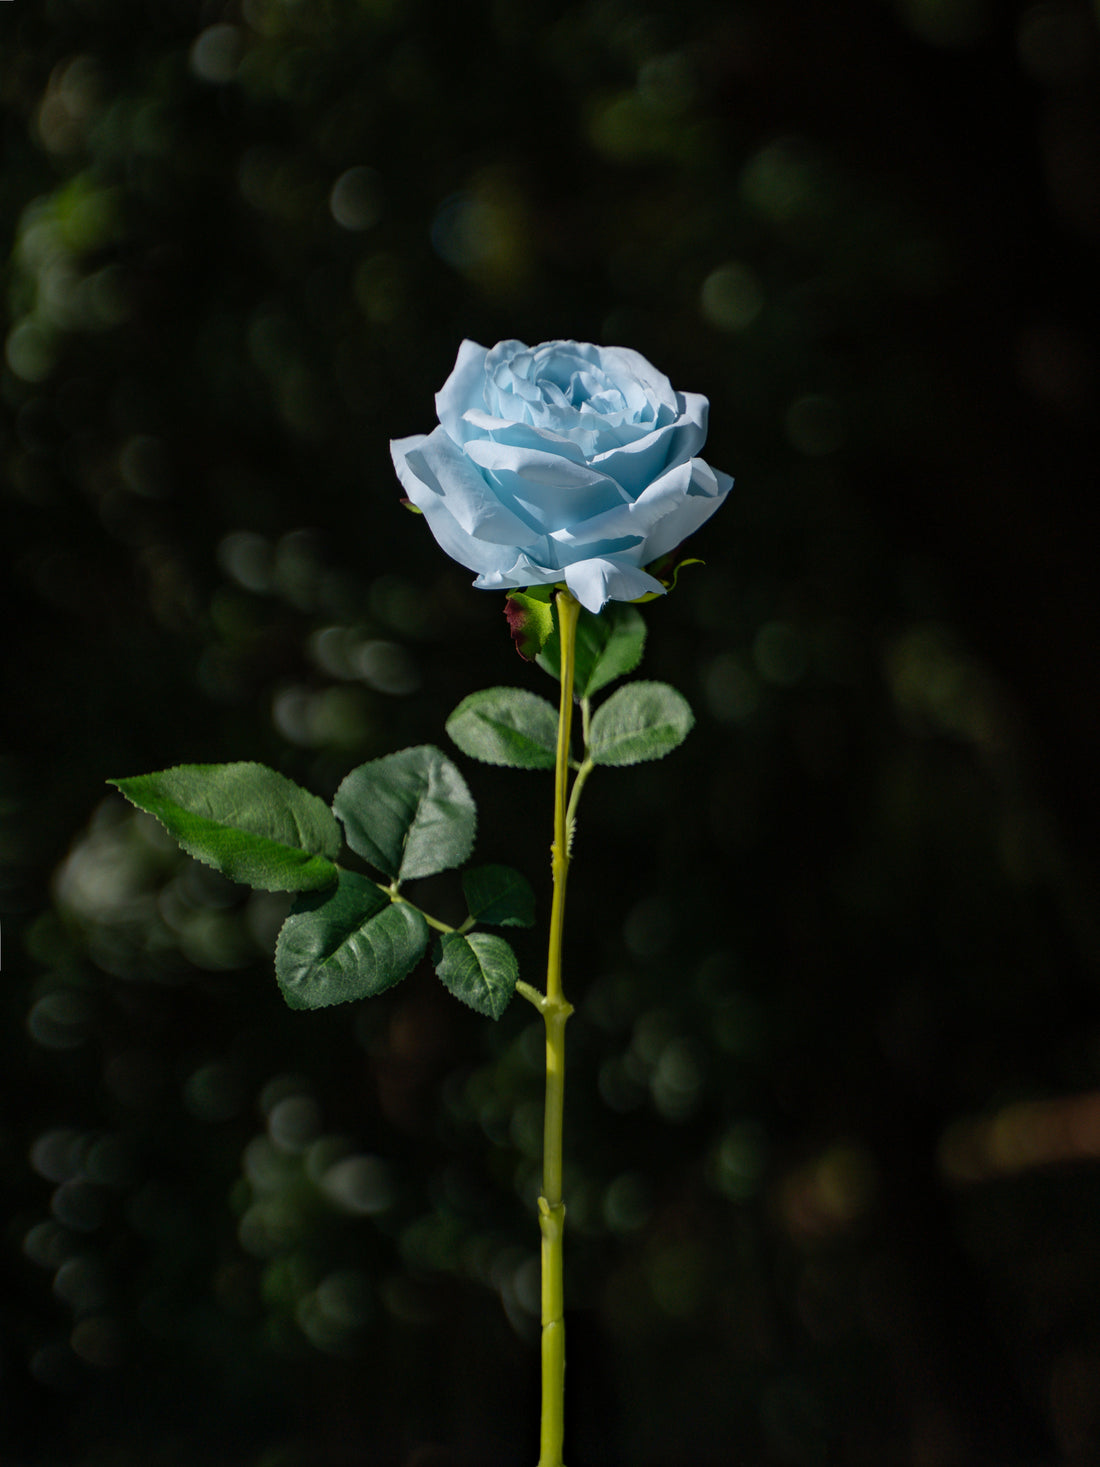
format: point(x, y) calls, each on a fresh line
point(480, 969)
point(409, 814)
point(530, 619)
point(507, 726)
point(609, 645)
point(499, 896)
point(666, 570)
point(641, 721)
point(247, 821)
point(348, 944)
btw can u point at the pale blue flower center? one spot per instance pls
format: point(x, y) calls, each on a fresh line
point(569, 391)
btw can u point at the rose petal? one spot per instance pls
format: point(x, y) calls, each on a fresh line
point(666, 512)
point(565, 387)
point(595, 582)
point(706, 492)
point(637, 516)
point(439, 468)
point(641, 383)
point(636, 464)
point(477, 554)
point(522, 572)
point(465, 387)
point(577, 445)
point(553, 491)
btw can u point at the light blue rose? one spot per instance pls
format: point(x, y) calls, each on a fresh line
point(563, 462)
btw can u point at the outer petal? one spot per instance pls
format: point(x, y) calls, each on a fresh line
point(523, 572)
point(479, 555)
point(707, 492)
point(434, 467)
point(668, 511)
point(637, 516)
point(595, 582)
point(635, 465)
point(554, 492)
point(464, 388)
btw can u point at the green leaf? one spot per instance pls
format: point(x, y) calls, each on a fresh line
point(499, 896)
point(530, 619)
point(247, 821)
point(480, 969)
point(352, 943)
point(609, 645)
point(506, 726)
point(409, 814)
point(641, 721)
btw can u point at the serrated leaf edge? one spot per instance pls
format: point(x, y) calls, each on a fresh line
point(466, 936)
point(645, 758)
point(503, 727)
point(205, 860)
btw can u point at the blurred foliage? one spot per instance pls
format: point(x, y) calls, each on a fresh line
point(832, 1132)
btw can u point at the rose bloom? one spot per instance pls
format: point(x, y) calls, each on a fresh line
point(563, 462)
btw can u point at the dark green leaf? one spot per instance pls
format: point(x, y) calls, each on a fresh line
point(409, 814)
point(352, 943)
point(247, 821)
point(499, 896)
point(506, 726)
point(638, 722)
point(609, 645)
point(480, 969)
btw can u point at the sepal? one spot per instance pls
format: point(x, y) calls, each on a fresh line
point(667, 570)
point(530, 619)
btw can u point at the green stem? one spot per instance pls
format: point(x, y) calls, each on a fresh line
point(395, 896)
point(583, 771)
point(555, 1011)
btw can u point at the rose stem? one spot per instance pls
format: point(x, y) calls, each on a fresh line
point(555, 1011)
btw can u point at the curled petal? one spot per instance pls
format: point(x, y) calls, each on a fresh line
point(484, 556)
point(646, 387)
point(595, 582)
point(706, 493)
point(523, 571)
point(577, 444)
point(637, 463)
point(549, 491)
point(435, 468)
point(464, 388)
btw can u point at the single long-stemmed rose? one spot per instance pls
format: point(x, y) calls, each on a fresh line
point(572, 465)
point(566, 475)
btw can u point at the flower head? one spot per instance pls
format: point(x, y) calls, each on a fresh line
point(564, 462)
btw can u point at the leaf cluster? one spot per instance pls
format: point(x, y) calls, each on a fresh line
point(638, 722)
point(410, 815)
point(349, 936)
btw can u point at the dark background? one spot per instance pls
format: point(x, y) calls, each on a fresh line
point(833, 1116)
